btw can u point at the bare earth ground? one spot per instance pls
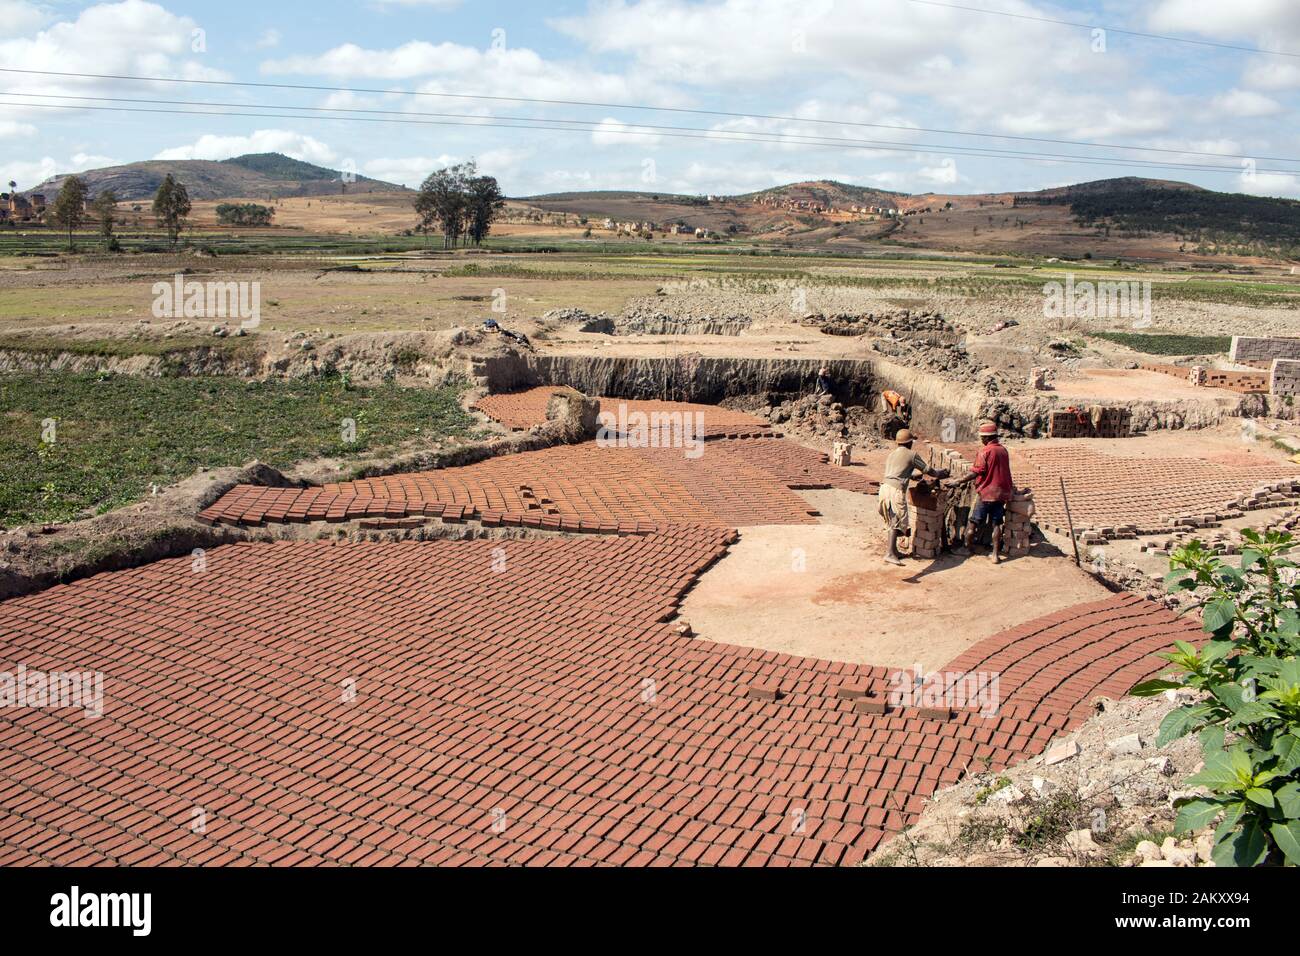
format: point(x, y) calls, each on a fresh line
point(824, 591)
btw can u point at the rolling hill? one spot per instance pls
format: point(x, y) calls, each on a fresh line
point(255, 175)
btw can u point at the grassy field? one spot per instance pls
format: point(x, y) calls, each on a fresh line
point(117, 436)
point(1155, 343)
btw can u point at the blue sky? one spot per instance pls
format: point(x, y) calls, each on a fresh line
point(899, 63)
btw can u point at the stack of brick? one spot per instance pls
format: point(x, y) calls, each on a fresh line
point(931, 504)
point(1284, 377)
point(1236, 380)
point(1261, 351)
point(929, 509)
point(1113, 423)
point(1019, 523)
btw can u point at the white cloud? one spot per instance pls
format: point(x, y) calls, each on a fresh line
point(130, 37)
point(10, 129)
point(18, 17)
point(293, 144)
point(268, 39)
point(504, 164)
point(1269, 184)
point(1245, 103)
point(444, 67)
point(30, 173)
point(1272, 23)
point(610, 132)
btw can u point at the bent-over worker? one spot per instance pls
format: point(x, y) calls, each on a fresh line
point(894, 403)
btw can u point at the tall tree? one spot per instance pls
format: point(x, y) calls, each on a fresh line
point(104, 207)
point(171, 204)
point(443, 199)
point(70, 207)
point(484, 200)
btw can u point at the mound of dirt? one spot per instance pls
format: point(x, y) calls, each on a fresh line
point(1101, 796)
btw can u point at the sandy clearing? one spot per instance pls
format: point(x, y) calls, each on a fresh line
point(846, 604)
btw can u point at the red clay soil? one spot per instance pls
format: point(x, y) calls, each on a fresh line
point(1147, 493)
point(469, 703)
point(586, 487)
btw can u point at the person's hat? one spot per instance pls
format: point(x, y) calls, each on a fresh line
point(988, 430)
point(904, 436)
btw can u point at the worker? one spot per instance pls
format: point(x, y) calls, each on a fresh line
point(992, 476)
point(824, 381)
point(895, 403)
point(901, 467)
point(490, 325)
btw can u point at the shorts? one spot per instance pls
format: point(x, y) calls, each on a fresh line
point(893, 508)
point(991, 512)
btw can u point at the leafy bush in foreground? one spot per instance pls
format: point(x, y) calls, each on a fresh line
point(1248, 715)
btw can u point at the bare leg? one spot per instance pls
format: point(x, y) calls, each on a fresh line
point(997, 543)
point(891, 552)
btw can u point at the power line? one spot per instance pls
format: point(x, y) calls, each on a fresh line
point(648, 129)
point(1094, 26)
point(715, 135)
point(646, 108)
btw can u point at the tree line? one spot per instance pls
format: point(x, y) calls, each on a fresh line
point(459, 203)
point(244, 214)
point(456, 201)
point(71, 210)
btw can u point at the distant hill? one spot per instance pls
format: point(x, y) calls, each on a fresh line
point(253, 176)
point(829, 193)
point(1136, 206)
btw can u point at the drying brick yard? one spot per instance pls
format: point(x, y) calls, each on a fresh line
point(854, 440)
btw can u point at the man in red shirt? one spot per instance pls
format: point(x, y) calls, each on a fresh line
point(992, 476)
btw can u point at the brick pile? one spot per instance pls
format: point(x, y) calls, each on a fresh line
point(1121, 497)
point(1284, 377)
point(1235, 380)
point(470, 703)
point(1261, 350)
point(1077, 423)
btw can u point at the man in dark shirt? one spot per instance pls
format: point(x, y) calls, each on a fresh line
point(992, 476)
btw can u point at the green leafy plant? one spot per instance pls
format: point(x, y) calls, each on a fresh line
point(1247, 708)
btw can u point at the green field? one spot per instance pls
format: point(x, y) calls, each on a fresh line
point(115, 437)
point(1155, 343)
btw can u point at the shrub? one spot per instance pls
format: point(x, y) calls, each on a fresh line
point(1248, 711)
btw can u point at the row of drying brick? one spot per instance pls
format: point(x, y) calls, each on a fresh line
point(1111, 496)
point(587, 487)
point(543, 713)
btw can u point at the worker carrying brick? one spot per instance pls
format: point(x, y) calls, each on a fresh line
point(902, 465)
point(992, 476)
